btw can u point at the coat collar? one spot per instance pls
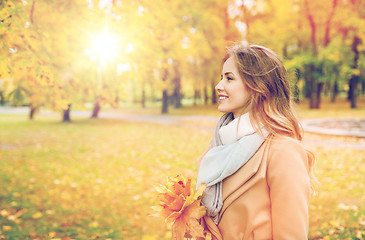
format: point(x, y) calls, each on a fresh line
point(244, 178)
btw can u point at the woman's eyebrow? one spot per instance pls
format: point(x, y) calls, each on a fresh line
point(228, 73)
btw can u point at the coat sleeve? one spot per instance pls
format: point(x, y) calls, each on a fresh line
point(210, 227)
point(289, 186)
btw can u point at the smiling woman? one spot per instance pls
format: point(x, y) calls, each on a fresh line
point(258, 174)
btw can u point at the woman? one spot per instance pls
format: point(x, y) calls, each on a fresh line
point(258, 174)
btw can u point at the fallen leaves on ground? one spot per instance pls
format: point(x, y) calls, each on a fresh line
point(93, 179)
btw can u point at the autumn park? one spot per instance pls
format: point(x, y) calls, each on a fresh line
point(102, 100)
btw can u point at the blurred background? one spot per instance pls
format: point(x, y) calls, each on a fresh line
point(102, 99)
point(63, 54)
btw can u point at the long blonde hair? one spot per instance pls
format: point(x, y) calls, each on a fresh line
point(271, 105)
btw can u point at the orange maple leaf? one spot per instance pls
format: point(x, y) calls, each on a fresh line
point(180, 206)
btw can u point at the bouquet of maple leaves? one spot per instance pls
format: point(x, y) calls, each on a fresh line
point(180, 206)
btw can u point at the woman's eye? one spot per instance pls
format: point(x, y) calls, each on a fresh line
point(229, 78)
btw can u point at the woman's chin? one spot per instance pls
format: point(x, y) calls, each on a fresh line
point(222, 109)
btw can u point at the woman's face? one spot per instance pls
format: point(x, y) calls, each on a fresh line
point(232, 92)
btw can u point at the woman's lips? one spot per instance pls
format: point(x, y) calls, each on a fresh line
point(222, 98)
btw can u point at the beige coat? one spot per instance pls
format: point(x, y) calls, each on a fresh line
point(268, 197)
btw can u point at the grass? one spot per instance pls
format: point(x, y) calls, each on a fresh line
point(199, 110)
point(93, 179)
point(341, 108)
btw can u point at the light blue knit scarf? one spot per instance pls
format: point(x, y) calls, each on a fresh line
point(234, 143)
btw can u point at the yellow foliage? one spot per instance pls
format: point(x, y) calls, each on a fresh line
point(4, 71)
point(4, 213)
point(4, 13)
point(94, 224)
point(7, 228)
point(37, 215)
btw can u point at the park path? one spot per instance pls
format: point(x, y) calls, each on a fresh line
point(328, 126)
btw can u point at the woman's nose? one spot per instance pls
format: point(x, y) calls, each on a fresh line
point(219, 86)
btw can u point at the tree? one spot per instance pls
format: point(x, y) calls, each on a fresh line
point(43, 49)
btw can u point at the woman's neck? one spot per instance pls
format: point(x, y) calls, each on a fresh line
point(240, 113)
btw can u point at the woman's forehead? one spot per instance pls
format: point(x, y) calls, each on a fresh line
point(230, 66)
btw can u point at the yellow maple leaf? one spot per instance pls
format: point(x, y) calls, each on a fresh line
point(188, 222)
point(180, 206)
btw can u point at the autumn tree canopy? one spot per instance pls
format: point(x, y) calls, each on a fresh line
point(58, 54)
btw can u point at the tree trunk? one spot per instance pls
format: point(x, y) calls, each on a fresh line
point(325, 89)
point(311, 86)
point(355, 76)
point(296, 88)
point(205, 95)
point(214, 93)
point(33, 110)
point(318, 95)
point(116, 100)
point(196, 96)
point(177, 87)
point(312, 80)
point(334, 92)
point(177, 97)
point(2, 98)
point(66, 114)
point(285, 51)
point(351, 93)
point(164, 101)
point(164, 92)
point(96, 109)
point(143, 100)
point(307, 88)
point(352, 90)
point(313, 95)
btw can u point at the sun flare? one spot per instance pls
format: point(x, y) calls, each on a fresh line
point(104, 48)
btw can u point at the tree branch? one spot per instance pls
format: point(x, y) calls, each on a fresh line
point(312, 25)
point(327, 39)
point(32, 12)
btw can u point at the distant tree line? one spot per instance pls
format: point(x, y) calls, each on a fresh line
point(167, 51)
